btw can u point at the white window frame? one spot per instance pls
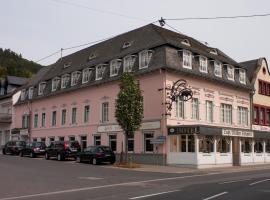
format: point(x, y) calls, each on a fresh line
point(115, 66)
point(129, 63)
point(185, 42)
point(65, 80)
point(23, 94)
point(203, 64)
point(67, 64)
point(30, 92)
point(217, 68)
point(41, 88)
point(86, 75)
point(104, 112)
point(242, 115)
point(242, 76)
point(99, 74)
point(226, 113)
point(195, 108)
point(179, 108)
point(75, 76)
point(187, 58)
point(230, 72)
point(55, 83)
point(145, 58)
point(209, 110)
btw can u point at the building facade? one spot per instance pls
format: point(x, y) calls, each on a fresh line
point(8, 97)
point(74, 99)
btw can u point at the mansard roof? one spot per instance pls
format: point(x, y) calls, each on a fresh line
point(165, 44)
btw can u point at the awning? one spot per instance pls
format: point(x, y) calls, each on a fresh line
point(210, 130)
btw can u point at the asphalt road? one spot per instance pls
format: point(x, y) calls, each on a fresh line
point(39, 179)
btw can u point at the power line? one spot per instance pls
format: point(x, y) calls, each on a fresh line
point(48, 56)
point(99, 10)
point(218, 17)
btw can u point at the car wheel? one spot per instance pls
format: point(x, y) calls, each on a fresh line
point(32, 155)
point(47, 157)
point(94, 161)
point(59, 157)
point(112, 162)
point(78, 159)
point(21, 153)
point(4, 152)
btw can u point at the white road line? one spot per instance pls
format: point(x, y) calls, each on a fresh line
point(254, 183)
point(103, 186)
point(215, 196)
point(156, 194)
point(90, 178)
point(235, 181)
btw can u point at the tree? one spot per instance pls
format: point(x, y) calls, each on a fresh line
point(129, 107)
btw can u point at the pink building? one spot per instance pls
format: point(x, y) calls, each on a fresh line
point(74, 99)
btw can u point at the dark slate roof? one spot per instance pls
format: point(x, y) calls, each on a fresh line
point(165, 44)
point(251, 66)
point(15, 80)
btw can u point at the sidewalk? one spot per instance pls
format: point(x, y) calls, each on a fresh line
point(179, 170)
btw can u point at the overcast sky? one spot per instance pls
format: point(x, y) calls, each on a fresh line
point(37, 28)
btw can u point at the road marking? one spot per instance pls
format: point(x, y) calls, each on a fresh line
point(254, 183)
point(90, 178)
point(156, 194)
point(103, 186)
point(235, 181)
point(214, 196)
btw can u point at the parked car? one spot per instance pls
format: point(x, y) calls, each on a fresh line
point(96, 155)
point(33, 149)
point(62, 150)
point(13, 147)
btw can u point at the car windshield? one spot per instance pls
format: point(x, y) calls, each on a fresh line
point(106, 149)
point(39, 144)
point(20, 143)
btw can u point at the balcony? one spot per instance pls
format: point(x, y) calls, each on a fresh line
point(5, 117)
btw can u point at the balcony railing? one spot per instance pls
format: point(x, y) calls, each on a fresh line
point(5, 117)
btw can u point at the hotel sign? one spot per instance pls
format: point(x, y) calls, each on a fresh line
point(260, 128)
point(117, 128)
point(237, 133)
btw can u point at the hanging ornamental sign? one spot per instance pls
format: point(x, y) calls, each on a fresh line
point(178, 91)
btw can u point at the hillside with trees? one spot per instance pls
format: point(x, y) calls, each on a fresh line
point(14, 64)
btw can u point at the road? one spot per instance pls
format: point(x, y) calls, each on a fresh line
point(39, 179)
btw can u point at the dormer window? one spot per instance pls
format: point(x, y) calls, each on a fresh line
point(86, 75)
point(23, 94)
point(126, 45)
point(187, 59)
point(55, 83)
point(66, 65)
point(242, 76)
point(186, 42)
point(203, 64)
point(217, 68)
point(100, 69)
point(129, 63)
point(213, 51)
point(65, 81)
point(92, 56)
point(115, 66)
point(75, 78)
point(230, 72)
point(41, 88)
point(144, 58)
point(30, 92)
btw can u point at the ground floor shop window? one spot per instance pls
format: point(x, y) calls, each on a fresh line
point(71, 138)
point(43, 139)
point(148, 146)
point(34, 139)
point(258, 146)
point(83, 141)
point(97, 140)
point(61, 138)
point(131, 143)
point(113, 142)
point(223, 145)
point(51, 139)
point(182, 143)
point(246, 146)
point(206, 144)
point(267, 146)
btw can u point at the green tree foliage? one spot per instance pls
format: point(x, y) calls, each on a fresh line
point(129, 106)
point(13, 64)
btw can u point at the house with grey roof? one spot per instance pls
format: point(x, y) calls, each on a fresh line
point(74, 99)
